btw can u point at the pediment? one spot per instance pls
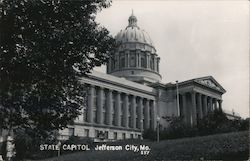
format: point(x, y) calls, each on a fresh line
point(211, 83)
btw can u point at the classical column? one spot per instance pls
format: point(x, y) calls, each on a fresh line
point(158, 62)
point(154, 114)
point(133, 112)
point(147, 115)
point(140, 113)
point(210, 104)
point(185, 108)
point(125, 111)
point(118, 109)
point(109, 107)
point(90, 103)
point(155, 63)
point(215, 104)
point(128, 60)
point(100, 105)
point(194, 119)
point(205, 105)
point(147, 57)
point(139, 60)
point(200, 106)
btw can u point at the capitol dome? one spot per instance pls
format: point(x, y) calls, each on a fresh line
point(135, 57)
point(134, 34)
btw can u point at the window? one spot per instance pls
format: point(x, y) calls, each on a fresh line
point(86, 131)
point(96, 133)
point(132, 59)
point(143, 61)
point(131, 136)
point(123, 135)
point(106, 134)
point(122, 60)
point(115, 135)
point(71, 131)
point(152, 63)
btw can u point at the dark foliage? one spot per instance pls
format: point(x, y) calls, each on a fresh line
point(3, 149)
point(27, 145)
point(149, 134)
point(215, 122)
point(44, 47)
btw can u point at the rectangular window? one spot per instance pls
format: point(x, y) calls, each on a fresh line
point(96, 133)
point(86, 131)
point(71, 131)
point(106, 134)
point(115, 135)
point(131, 136)
point(123, 135)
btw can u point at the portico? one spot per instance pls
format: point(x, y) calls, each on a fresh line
point(198, 98)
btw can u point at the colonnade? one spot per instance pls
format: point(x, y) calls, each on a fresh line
point(118, 109)
point(194, 106)
point(134, 59)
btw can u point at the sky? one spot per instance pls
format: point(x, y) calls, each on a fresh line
point(193, 39)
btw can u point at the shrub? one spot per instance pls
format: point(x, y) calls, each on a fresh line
point(3, 149)
point(150, 134)
point(27, 145)
point(214, 122)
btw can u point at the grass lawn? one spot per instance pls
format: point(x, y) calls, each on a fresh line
point(228, 146)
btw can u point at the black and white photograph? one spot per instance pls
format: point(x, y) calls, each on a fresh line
point(124, 80)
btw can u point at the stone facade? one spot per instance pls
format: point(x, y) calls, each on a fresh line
point(128, 99)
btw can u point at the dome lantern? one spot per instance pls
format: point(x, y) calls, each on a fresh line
point(132, 21)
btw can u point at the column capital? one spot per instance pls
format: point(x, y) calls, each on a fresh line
point(91, 85)
point(102, 88)
point(193, 92)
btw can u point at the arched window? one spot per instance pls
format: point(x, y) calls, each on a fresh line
point(122, 61)
point(152, 63)
point(143, 61)
point(132, 59)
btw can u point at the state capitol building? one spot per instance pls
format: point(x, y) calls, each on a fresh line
point(131, 98)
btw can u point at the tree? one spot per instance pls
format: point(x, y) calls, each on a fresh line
point(45, 46)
